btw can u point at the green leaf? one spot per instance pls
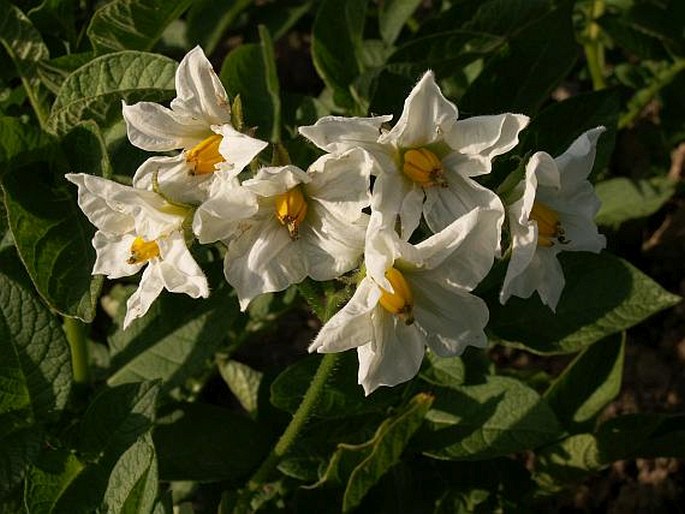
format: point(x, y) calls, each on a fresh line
point(47, 479)
point(85, 150)
point(217, 444)
point(341, 397)
point(53, 238)
point(577, 115)
point(133, 485)
point(588, 384)
point(250, 71)
point(243, 381)
point(487, 420)
point(642, 436)
point(521, 79)
point(569, 461)
point(95, 90)
point(361, 466)
point(22, 143)
point(603, 295)
point(336, 46)
point(471, 367)
point(26, 48)
point(132, 24)
point(116, 418)
point(392, 16)
point(174, 340)
point(624, 199)
point(35, 368)
point(18, 448)
point(208, 20)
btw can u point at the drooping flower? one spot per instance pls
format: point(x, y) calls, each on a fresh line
point(554, 212)
point(426, 162)
point(199, 123)
point(426, 301)
point(286, 224)
point(136, 229)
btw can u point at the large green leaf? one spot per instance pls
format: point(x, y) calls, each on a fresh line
point(18, 448)
point(95, 90)
point(487, 420)
point(53, 239)
point(217, 444)
point(25, 46)
point(588, 384)
point(21, 143)
point(646, 435)
point(243, 381)
point(250, 71)
point(336, 46)
point(208, 20)
point(521, 78)
point(624, 199)
point(570, 460)
point(174, 340)
point(359, 467)
point(133, 485)
point(132, 24)
point(35, 368)
point(603, 295)
point(392, 16)
point(49, 476)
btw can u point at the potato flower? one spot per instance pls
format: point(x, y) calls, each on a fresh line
point(199, 123)
point(554, 212)
point(139, 229)
point(426, 162)
point(426, 302)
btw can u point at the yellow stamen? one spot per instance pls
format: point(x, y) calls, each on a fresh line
point(291, 208)
point(401, 301)
point(423, 167)
point(142, 251)
point(205, 155)
point(549, 226)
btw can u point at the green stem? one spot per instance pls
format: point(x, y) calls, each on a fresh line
point(304, 411)
point(75, 331)
point(594, 50)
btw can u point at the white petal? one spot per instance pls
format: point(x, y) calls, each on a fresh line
point(174, 178)
point(410, 211)
point(487, 136)
point(92, 192)
point(351, 326)
point(380, 249)
point(151, 284)
point(337, 134)
point(199, 93)
point(113, 252)
point(576, 163)
point(544, 275)
point(426, 117)
point(276, 180)
point(179, 271)
point(222, 215)
point(155, 128)
point(263, 259)
point(393, 356)
point(331, 245)
point(451, 319)
point(237, 148)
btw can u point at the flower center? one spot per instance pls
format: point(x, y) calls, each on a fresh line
point(549, 226)
point(423, 167)
point(142, 251)
point(401, 301)
point(203, 157)
point(291, 208)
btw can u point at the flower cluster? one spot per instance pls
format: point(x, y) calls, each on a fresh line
point(399, 204)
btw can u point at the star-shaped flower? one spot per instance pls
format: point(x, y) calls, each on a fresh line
point(199, 123)
point(425, 302)
point(286, 224)
point(426, 162)
point(136, 229)
point(554, 212)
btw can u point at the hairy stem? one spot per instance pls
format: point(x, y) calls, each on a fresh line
point(75, 331)
point(594, 49)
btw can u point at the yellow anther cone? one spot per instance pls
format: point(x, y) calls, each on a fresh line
point(291, 209)
point(400, 302)
point(142, 251)
point(423, 167)
point(547, 219)
point(203, 157)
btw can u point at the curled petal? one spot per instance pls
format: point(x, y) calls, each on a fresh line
point(151, 285)
point(337, 134)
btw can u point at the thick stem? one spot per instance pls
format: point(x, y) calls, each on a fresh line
point(594, 50)
point(288, 438)
point(75, 331)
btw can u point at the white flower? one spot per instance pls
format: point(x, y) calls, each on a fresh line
point(426, 162)
point(426, 303)
point(138, 228)
point(199, 123)
point(284, 224)
point(555, 213)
